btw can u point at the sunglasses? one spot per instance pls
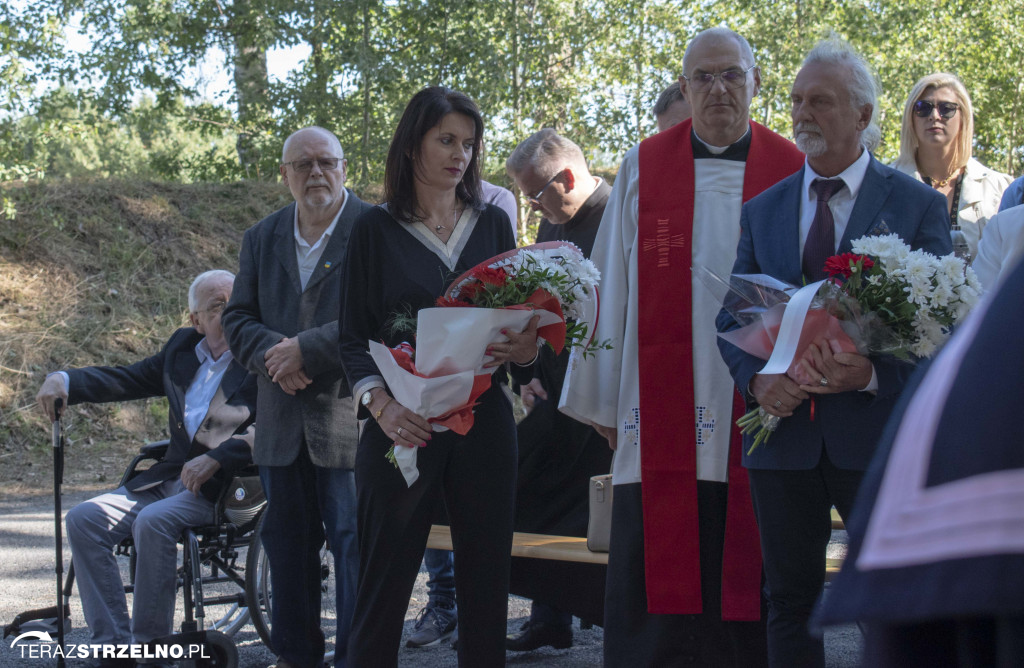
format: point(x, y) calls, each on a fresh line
point(924, 108)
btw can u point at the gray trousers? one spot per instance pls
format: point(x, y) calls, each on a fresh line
point(155, 518)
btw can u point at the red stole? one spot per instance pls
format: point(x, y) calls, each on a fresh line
point(668, 435)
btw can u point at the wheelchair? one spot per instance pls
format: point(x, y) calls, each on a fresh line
point(226, 555)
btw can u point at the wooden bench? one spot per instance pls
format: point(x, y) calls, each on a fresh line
point(565, 548)
point(534, 545)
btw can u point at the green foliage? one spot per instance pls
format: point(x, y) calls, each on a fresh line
point(96, 272)
point(589, 68)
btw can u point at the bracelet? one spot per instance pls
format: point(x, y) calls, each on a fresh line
point(376, 416)
point(530, 362)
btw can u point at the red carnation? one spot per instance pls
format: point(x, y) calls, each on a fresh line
point(491, 276)
point(842, 265)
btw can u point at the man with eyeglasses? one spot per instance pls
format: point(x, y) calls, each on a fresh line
point(684, 569)
point(557, 455)
point(211, 422)
point(282, 324)
point(829, 429)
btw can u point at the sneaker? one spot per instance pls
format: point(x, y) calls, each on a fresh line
point(434, 625)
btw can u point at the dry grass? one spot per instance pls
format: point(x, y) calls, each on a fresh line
point(96, 272)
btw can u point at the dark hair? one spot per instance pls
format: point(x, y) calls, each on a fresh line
point(424, 111)
point(667, 97)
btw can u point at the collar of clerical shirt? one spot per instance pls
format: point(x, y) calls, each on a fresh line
point(736, 151)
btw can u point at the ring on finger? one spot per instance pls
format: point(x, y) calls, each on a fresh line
point(778, 403)
point(823, 382)
point(399, 431)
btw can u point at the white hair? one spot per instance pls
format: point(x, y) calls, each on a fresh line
point(334, 140)
point(193, 290)
point(862, 84)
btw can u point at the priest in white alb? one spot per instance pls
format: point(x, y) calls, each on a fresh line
point(684, 569)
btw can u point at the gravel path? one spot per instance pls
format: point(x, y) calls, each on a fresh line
point(27, 581)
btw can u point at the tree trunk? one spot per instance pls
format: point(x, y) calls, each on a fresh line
point(251, 85)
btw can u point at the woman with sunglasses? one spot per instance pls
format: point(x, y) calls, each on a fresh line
point(935, 147)
point(401, 256)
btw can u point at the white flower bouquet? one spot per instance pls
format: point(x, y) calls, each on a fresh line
point(881, 299)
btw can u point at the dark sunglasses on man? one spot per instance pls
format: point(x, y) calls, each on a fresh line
point(947, 110)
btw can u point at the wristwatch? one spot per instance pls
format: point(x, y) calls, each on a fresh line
point(366, 398)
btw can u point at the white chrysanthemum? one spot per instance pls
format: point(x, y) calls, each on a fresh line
point(972, 280)
point(918, 267)
point(918, 290)
point(924, 348)
point(889, 245)
point(944, 295)
point(574, 311)
point(588, 273)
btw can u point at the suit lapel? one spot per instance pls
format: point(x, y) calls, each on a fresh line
point(185, 366)
point(873, 194)
point(787, 229)
point(284, 246)
point(232, 378)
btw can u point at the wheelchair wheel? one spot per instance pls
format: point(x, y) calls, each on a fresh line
point(232, 621)
point(258, 596)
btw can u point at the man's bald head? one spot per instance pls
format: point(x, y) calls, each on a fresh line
point(311, 131)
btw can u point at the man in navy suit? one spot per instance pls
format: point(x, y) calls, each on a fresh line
point(282, 324)
point(212, 409)
point(828, 433)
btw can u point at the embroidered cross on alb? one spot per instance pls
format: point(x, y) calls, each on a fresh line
point(631, 430)
point(705, 425)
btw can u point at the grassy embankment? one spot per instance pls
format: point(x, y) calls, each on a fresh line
point(97, 272)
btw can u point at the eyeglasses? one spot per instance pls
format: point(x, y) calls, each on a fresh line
point(304, 166)
point(731, 78)
point(924, 108)
point(536, 198)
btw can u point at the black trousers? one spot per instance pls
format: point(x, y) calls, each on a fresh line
point(794, 516)
point(475, 477)
point(633, 637)
point(968, 642)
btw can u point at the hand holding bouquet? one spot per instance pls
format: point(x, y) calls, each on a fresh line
point(882, 299)
point(460, 342)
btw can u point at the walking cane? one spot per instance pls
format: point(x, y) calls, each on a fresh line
point(58, 480)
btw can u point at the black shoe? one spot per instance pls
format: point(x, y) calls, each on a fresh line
point(539, 634)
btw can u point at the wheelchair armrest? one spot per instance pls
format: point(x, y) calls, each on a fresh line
point(150, 451)
point(155, 450)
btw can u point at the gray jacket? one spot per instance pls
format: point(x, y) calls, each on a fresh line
point(269, 304)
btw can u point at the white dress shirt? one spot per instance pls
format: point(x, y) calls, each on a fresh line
point(309, 256)
point(203, 386)
point(841, 203)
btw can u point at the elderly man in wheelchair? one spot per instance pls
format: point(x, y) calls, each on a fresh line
point(212, 412)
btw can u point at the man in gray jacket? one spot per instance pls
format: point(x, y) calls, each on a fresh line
point(282, 324)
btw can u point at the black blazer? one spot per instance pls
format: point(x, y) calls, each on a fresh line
point(226, 433)
point(269, 304)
